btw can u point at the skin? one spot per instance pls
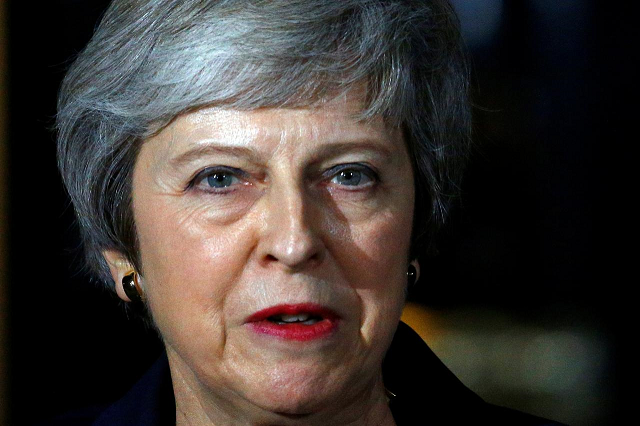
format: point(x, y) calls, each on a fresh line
point(281, 226)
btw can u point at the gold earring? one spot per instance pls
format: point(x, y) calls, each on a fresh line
point(412, 275)
point(131, 286)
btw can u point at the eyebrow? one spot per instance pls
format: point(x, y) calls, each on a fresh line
point(327, 150)
point(213, 149)
point(339, 148)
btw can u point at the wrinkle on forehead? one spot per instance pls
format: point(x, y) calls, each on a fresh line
point(332, 119)
point(343, 104)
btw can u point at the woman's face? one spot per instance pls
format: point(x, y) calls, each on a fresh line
point(274, 249)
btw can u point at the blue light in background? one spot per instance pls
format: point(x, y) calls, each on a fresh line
point(480, 20)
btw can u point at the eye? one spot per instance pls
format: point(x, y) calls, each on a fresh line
point(220, 180)
point(353, 175)
point(216, 179)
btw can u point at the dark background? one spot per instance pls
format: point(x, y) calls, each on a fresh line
point(537, 235)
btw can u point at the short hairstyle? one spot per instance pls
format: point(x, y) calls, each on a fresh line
point(151, 60)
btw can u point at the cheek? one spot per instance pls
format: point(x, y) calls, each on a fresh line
point(375, 261)
point(378, 243)
point(180, 244)
point(189, 269)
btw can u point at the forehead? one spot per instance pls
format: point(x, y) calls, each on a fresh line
point(334, 119)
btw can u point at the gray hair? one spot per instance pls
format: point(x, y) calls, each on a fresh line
point(152, 60)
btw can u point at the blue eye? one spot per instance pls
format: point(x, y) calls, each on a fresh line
point(348, 177)
point(221, 180)
point(353, 175)
point(216, 179)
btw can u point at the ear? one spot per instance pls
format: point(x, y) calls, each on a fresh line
point(119, 267)
point(416, 265)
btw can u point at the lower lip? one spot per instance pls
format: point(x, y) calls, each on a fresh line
point(296, 331)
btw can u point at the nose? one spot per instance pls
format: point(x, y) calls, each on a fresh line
point(291, 235)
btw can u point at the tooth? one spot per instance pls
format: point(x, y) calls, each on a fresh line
point(294, 318)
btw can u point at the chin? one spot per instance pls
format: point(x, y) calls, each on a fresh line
point(296, 390)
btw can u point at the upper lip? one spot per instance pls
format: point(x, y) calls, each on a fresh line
point(294, 309)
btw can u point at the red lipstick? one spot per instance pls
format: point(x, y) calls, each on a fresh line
point(301, 322)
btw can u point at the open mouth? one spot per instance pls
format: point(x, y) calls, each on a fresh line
point(300, 322)
point(306, 319)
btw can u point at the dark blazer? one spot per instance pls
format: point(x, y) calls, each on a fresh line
point(426, 392)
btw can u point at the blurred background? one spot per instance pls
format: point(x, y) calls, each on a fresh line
point(525, 300)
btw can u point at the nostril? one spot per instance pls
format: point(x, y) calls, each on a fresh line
point(296, 260)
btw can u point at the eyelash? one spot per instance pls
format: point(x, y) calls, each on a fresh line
point(365, 170)
point(327, 176)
